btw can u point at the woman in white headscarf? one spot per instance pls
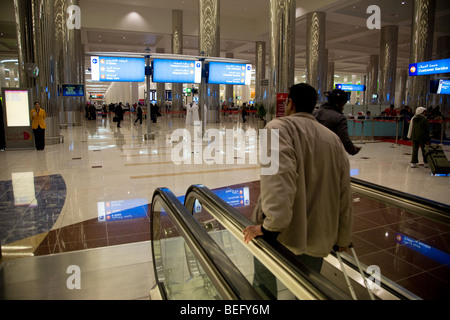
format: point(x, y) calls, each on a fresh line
point(419, 133)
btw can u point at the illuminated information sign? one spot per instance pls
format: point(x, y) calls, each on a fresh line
point(73, 90)
point(351, 87)
point(429, 67)
point(177, 71)
point(444, 87)
point(17, 108)
point(117, 69)
point(122, 210)
point(230, 73)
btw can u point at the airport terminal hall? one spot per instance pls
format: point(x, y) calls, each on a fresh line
point(225, 150)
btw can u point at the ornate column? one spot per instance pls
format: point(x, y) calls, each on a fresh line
point(35, 22)
point(70, 62)
point(260, 69)
point(330, 76)
point(177, 48)
point(229, 89)
point(388, 64)
point(422, 32)
point(161, 88)
point(282, 50)
point(315, 50)
point(403, 83)
point(442, 52)
point(209, 46)
point(372, 79)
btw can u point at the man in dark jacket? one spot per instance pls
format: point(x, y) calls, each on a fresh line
point(119, 114)
point(139, 114)
point(331, 116)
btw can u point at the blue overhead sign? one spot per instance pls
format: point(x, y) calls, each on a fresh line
point(429, 67)
point(230, 73)
point(117, 69)
point(177, 71)
point(351, 87)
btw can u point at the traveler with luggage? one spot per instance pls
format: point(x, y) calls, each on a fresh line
point(419, 133)
point(307, 205)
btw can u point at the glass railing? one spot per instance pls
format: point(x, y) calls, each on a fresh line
point(420, 206)
point(272, 269)
point(187, 264)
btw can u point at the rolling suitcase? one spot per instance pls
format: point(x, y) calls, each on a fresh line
point(437, 160)
point(350, 287)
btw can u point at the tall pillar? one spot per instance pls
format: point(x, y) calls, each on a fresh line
point(177, 48)
point(260, 69)
point(36, 44)
point(70, 58)
point(388, 64)
point(442, 52)
point(25, 46)
point(372, 79)
point(282, 50)
point(324, 78)
point(209, 46)
point(160, 87)
point(403, 83)
point(422, 32)
point(353, 93)
point(330, 76)
point(315, 50)
point(229, 88)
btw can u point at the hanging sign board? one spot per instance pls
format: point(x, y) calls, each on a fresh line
point(177, 71)
point(117, 69)
point(429, 67)
point(281, 104)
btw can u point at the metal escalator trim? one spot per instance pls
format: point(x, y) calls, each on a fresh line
point(300, 280)
point(225, 276)
point(385, 283)
point(434, 210)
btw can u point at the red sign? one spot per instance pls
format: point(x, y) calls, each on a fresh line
point(281, 104)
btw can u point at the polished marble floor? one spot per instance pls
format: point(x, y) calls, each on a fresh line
point(93, 190)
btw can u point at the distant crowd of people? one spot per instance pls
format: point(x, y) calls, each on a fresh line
point(119, 109)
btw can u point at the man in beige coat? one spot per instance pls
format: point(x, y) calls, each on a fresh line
point(307, 205)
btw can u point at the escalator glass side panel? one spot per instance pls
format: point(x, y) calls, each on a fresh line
point(175, 264)
point(191, 266)
point(281, 287)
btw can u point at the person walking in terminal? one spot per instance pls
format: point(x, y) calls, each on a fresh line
point(331, 116)
point(119, 114)
point(38, 116)
point(419, 133)
point(139, 115)
point(307, 205)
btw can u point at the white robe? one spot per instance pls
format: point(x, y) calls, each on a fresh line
point(189, 115)
point(195, 116)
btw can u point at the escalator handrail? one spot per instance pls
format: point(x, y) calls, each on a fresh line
point(227, 279)
point(431, 209)
point(313, 282)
